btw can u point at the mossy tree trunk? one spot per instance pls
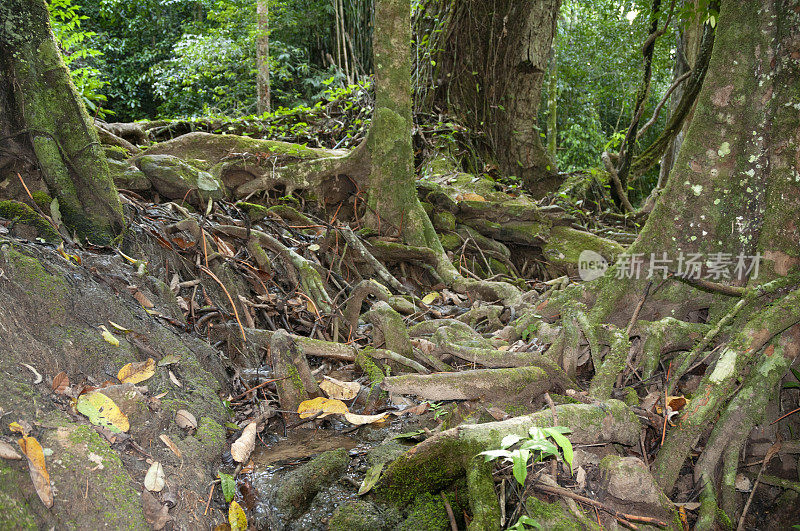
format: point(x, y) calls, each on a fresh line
point(46, 113)
point(490, 69)
point(393, 202)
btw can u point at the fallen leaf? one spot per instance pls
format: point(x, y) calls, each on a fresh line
point(154, 480)
point(339, 390)
point(41, 479)
point(119, 328)
point(243, 447)
point(156, 513)
point(102, 411)
point(20, 427)
point(469, 196)
point(171, 445)
point(137, 372)
point(60, 383)
point(236, 517)
point(370, 478)
point(144, 301)
point(580, 477)
point(169, 359)
point(7, 451)
point(676, 403)
point(321, 406)
point(185, 420)
point(174, 380)
point(428, 299)
point(108, 336)
point(228, 485)
point(360, 420)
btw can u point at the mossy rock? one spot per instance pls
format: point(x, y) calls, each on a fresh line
point(564, 246)
point(428, 512)
point(444, 221)
point(174, 179)
point(300, 486)
point(450, 241)
point(116, 153)
point(551, 516)
point(127, 176)
point(28, 223)
point(361, 515)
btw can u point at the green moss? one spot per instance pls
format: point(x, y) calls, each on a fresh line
point(14, 512)
point(42, 199)
point(25, 215)
point(210, 433)
point(631, 398)
point(359, 515)
point(254, 212)
point(370, 368)
point(450, 241)
point(427, 512)
point(444, 221)
point(551, 516)
point(300, 486)
point(49, 290)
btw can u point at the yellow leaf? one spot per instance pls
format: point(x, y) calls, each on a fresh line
point(19, 428)
point(109, 337)
point(119, 328)
point(360, 420)
point(41, 479)
point(473, 197)
point(102, 411)
point(323, 406)
point(430, 297)
point(236, 517)
point(137, 372)
point(339, 390)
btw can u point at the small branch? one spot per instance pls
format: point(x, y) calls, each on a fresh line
point(594, 503)
point(661, 104)
point(207, 271)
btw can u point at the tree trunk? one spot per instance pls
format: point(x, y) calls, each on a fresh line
point(44, 111)
point(491, 66)
point(262, 56)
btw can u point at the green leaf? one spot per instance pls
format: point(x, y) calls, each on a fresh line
point(510, 440)
point(494, 454)
point(372, 476)
point(520, 468)
point(563, 442)
point(228, 486)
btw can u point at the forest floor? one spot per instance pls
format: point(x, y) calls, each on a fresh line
point(273, 328)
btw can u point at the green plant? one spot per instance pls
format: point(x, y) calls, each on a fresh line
point(535, 446)
point(524, 523)
point(793, 385)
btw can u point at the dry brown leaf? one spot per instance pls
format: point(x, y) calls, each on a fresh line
point(137, 372)
point(21, 426)
point(60, 383)
point(360, 420)
point(156, 513)
point(142, 299)
point(171, 445)
point(155, 480)
point(174, 380)
point(7, 452)
point(339, 390)
point(41, 479)
point(185, 420)
point(243, 447)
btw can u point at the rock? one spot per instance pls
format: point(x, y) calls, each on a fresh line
point(361, 515)
point(402, 305)
point(127, 176)
point(299, 487)
point(174, 179)
point(632, 488)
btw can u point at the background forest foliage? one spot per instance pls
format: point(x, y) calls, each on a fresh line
point(146, 59)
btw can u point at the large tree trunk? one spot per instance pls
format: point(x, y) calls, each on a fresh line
point(40, 106)
point(491, 67)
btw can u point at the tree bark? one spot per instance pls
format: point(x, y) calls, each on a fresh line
point(262, 56)
point(46, 114)
point(491, 66)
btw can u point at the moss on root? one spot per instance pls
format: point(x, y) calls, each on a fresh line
point(25, 215)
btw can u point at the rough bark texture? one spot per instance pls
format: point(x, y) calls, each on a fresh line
point(392, 193)
point(492, 67)
point(45, 108)
point(262, 56)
